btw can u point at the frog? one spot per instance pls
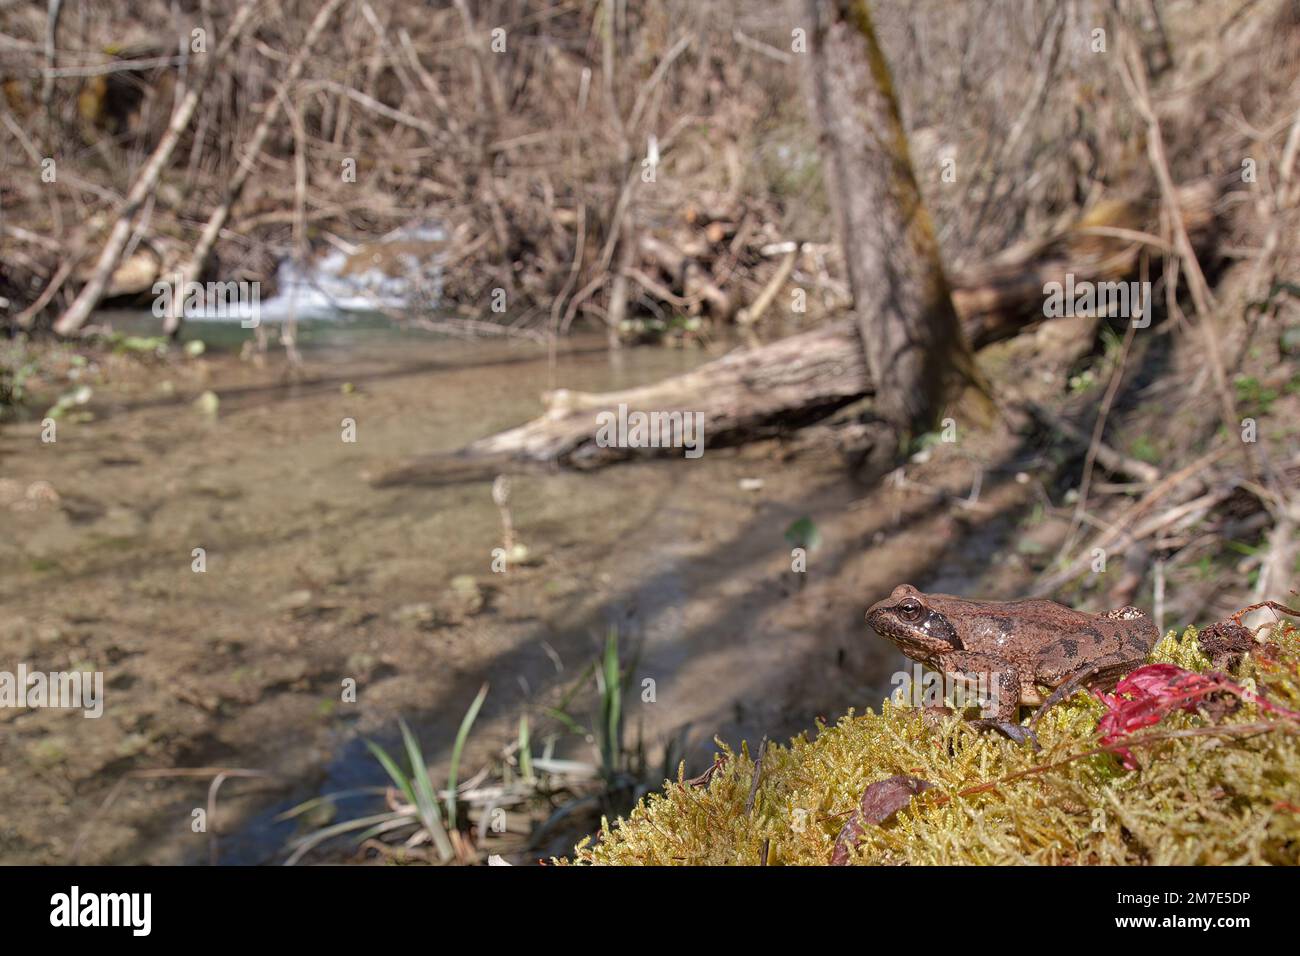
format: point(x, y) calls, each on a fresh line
point(1021, 648)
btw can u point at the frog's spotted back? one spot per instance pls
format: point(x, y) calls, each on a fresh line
point(1126, 613)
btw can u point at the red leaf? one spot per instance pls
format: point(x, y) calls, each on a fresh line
point(1153, 691)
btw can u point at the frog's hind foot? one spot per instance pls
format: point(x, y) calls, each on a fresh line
point(1103, 672)
point(1008, 729)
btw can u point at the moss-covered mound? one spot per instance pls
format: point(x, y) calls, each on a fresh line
point(1216, 779)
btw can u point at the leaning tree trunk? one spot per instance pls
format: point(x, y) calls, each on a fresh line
point(915, 350)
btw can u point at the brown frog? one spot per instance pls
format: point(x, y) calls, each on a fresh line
point(1018, 647)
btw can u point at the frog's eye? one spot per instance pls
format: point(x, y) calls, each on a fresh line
point(910, 609)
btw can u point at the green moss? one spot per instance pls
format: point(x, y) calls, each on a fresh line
point(1224, 794)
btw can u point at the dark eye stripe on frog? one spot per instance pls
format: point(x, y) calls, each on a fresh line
point(936, 625)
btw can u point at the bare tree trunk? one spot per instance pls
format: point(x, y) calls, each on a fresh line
point(490, 104)
point(51, 60)
point(916, 353)
point(618, 289)
point(76, 314)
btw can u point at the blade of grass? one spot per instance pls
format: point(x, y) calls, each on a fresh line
point(425, 801)
point(579, 682)
point(525, 754)
point(569, 723)
point(466, 722)
point(571, 768)
point(305, 843)
point(402, 781)
point(386, 827)
point(315, 802)
point(612, 694)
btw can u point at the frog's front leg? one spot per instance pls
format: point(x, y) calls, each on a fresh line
point(996, 682)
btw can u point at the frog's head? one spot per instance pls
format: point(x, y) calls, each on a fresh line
point(915, 622)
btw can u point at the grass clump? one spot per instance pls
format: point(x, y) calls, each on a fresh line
point(1213, 783)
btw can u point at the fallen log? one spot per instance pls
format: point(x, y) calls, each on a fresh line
point(747, 394)
point(755, 393)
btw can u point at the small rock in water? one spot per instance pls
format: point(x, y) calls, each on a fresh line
point(751, 484)
point(42, 492)
point(421, 614)
point(519, 555)
point(320, 815)
point(361, 664)
point(208, 403)
point(293, 601)
point(466, 595)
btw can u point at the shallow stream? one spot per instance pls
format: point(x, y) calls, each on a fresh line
point(312, 577)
